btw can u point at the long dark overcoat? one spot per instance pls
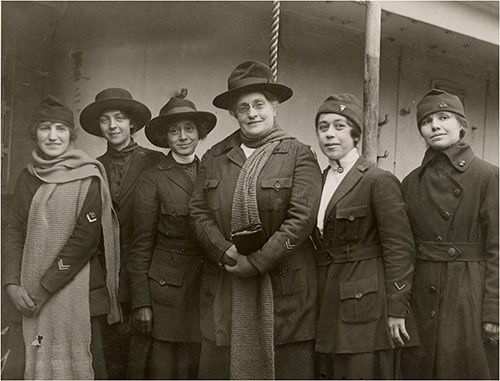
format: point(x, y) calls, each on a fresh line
point(165, 261)
point(452, 203)
point(142, 158)
point(288, 192)
point(365, 262)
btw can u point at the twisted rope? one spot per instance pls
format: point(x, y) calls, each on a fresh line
point(273, 49)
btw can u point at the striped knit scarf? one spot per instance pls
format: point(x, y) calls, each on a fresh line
point(57, 341)
point(252, 314)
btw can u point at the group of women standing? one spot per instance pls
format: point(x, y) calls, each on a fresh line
point(249, 264)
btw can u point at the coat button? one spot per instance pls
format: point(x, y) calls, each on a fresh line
point(457, 192)
point(358, 295)
point(433, 314)
point(452, 251)
point(277, 185)
point(438, 238)
point(351, 218)
point(329, 258)
point(445, 215)
point(162, 282)
point(183, 249)
point(432, 289)
point(284, 270)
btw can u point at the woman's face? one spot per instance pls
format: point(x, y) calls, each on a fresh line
point(440, 130)
point(53, 138)
point(115, 127)
point(255, 114)
point(182, 137)
point(334, 135)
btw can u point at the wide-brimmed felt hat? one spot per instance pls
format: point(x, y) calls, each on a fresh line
point(113, 99)
point(247, 77)
point(177, 109)
point(436, 100)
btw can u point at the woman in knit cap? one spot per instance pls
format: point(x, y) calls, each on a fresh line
point(51, 269)
point(253, 209)
point(365, 253)
point(452, 203)
point(116, 116)
point(165, 261)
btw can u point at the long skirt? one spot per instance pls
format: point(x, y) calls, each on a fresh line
point(293, 361)
point(173, 360)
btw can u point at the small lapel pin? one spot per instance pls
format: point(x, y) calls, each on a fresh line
point(461, 163)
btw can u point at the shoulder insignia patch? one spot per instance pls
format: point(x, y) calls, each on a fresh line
point(91, 217)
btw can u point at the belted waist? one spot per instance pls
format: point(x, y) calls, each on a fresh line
point(450, 251)
point(178, 245)
point(348, 254)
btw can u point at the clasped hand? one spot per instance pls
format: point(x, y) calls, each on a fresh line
point(29, 304)
point(238, 264)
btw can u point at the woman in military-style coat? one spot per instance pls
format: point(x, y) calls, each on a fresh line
point(452, 203)
point(165, 261)
point(116, 116)
point(365, 253)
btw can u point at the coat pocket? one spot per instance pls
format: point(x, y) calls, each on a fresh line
point(165, 284)
point(358, 300)
point(351, 222)
point(277, 192)
point(210, 191)
point(175, 219)
point(291, 276)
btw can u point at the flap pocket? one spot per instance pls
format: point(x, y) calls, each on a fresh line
point(166, 275)
point(353, 212)
point(211, 184)
point(358, 288)
point(174, 210)
point(277, 183)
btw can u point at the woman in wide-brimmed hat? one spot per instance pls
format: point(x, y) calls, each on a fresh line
point(364, 253)
point(253, 208)
point(452, 203)
point(116, 116)
point(165, 261)
point(51, 269)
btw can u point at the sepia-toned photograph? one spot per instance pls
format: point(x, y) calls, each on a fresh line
point(251, 190)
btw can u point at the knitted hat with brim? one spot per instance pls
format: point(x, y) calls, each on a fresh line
point(248, 77)
point(436, 100)
point(346, 105)
point(53, 110)
point(109, 100)
point(175, 110)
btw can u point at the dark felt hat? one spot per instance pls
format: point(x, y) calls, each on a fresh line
point(343, 104)
point(178, 109)
point(113, 99)
point(438, 100)
point(247, 77)
point(52, 109)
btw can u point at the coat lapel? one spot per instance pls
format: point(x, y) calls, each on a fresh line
point(177, 175)
point(350, 180)
point(237, 156)
point(136, 166)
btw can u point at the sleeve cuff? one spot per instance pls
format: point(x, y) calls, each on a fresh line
point(490, 310)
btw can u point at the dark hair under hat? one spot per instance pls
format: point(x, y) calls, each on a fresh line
point(247, 77)
point(436, 100)
point(343, 104)
point(113, 99)
point(174, 110)
point(52, 109)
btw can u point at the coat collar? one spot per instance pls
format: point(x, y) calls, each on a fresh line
point(349, 181)
point(176, 174)
point(460, 156)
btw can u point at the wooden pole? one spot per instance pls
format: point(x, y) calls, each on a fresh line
point(371, 80)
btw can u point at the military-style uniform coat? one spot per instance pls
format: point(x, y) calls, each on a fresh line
point(81, 247)
point(165, 261)
point(288, 193)
point(452, 203)
point(365, 262)
point(123, 203)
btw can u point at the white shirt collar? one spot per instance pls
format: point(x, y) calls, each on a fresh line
point(183, 159)
point(347, 161)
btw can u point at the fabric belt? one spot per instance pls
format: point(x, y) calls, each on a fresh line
point(450, 251)
point(177, 245)
point(348, 254)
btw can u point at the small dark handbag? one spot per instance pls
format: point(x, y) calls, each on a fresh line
point(249, 238)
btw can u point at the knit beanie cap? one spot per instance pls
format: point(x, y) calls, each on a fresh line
point(343, 104)
point(52, 109)
point(438, 100)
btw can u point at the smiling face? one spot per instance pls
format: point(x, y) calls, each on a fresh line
point(182, 137)
point(53, 138)
point(440, 130)
point(255, 114)
point(116, 128)
point(334, 135)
